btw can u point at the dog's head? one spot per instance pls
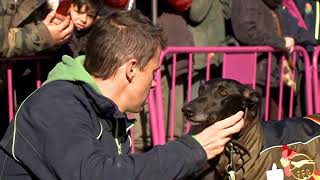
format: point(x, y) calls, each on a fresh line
point(219, 99)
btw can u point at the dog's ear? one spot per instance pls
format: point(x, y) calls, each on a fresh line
point(251, 95)
point(251, 101)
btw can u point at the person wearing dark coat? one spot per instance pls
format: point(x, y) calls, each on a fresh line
point(257, 23)
point(253, 23)
point(308, 10)
point(74, 127)
point(303, 32)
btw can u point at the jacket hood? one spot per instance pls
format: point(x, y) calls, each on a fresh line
point(70, 69)
point(273, 3)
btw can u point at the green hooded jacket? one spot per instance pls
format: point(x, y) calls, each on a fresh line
point(70, 69)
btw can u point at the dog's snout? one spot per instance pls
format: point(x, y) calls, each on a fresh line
point(187, 111)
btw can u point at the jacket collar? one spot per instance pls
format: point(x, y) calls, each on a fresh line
point(108, 110)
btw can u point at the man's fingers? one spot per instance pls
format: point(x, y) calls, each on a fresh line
point(61, 17)
point(65, 23)
point(56, 21)
point(233, 129)
point(214, 138)
point(230, 121)
point(68, 31)
point(217, 147)
point(219, 142)
point(49, 17)
point(213, 153)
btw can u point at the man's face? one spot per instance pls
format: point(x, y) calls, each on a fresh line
point(81, 16)
point(143, 82)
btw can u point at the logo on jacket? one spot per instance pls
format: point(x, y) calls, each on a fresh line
point(298, 165)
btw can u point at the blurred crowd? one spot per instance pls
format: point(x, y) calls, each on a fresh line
point(55, 27)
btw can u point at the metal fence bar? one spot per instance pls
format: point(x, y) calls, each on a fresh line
point(268, 86)
point(189, 96)
point(10, 92)
point(173, 93)
point(281, 89)
point(315, 70)
point(292, 89)
point(38, 80)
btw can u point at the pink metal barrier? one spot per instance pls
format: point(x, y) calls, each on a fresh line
point(230, 57)
point(10, 62)
point(230, 54)
point(316, 84)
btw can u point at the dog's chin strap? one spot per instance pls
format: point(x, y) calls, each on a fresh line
point(231, 170)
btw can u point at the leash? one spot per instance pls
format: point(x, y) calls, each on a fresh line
point(231, 170)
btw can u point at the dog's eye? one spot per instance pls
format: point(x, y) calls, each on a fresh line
point(223, 92)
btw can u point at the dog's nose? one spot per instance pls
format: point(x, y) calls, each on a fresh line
point(187, 111)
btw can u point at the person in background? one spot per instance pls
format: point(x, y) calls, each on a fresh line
point(83, 14)
point(257, 23)
point(27, 27)
point(310, 12)
point(293, 24)
point(75, 127)
point(207, 25)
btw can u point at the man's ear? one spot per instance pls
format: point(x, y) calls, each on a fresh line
point(131, 68)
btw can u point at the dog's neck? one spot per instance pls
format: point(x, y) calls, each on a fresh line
point(250, 138)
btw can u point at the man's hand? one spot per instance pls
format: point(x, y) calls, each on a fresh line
point(60, 30)
point(289, 44)
point(214, 138)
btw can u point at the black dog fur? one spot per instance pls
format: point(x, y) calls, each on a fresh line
point(217, 100)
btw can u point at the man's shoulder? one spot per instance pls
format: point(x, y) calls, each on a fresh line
point(56, 100)
point(55, 91)
point(60, 85)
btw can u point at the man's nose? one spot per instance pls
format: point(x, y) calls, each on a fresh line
point(153, 83)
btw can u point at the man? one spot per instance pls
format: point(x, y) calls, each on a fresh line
point(74, 126)
point(27, 27)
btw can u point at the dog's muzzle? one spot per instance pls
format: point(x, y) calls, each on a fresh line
point(187, 112)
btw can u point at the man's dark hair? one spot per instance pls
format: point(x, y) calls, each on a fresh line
point(92, 5)
point(121, 36)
